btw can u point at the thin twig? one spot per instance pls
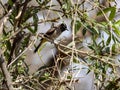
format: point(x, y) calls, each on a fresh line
point(5, 18)
point(20, 54)
point(23, 11)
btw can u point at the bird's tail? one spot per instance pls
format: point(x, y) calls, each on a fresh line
point(42, 41)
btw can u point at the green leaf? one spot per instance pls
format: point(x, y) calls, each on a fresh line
point(112, 14)
point(75, 60)
point(113, 47)
point(69, 77)
point(114, 38)
point(6, 55)
point(117, 23)
point(4, 32)
point(77, 26)
point(47, 74)
point(45, 2)
point(66, 6)
point(30, 29)
point(112, 11)
point(35, 19)
point(116, 30)
point(107, 49)
point(91, 47)
point(8, 45)
point(116, 27)
point(84, 31)
point(30, 12)
point(10, 2)
point(108, 40)
point(93, 30)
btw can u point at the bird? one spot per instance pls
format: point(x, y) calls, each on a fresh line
point(53, 33)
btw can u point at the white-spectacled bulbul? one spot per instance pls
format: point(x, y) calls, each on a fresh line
point(52, 34)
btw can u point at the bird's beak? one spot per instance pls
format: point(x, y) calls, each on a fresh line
point(67, 29)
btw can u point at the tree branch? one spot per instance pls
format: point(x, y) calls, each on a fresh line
point(6, 73)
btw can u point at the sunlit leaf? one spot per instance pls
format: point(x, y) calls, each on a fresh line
point(117, 23)
point(112, 11)
point(116, 30)
point(112, 14)
point(77, 26)
point(116, 27)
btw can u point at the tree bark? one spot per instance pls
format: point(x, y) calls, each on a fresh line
point(6, 74)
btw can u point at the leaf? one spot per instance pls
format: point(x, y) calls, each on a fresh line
point(69, 77)
point(77, 26)
point(112, 14)
point(112, 11)
point(8, 45)
point(114, 47)
point(116, 30)
point(84, 31)
point(117, 23)
point(4, 32)
point(45, 2)
point(91, 47)
point(6, 55)
point(10, 2)
point(47, 74)
point(30, 13)
point(75, 60)
point(66, 6)
point(108, 41)
point(93, 30)
point(114, 38)
point(116, 27)
point(107, 49)
point(30, 29)
point(35, 19)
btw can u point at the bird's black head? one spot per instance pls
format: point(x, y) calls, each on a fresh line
point(63, 27)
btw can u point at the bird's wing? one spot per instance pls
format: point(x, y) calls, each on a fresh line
point(51, 31)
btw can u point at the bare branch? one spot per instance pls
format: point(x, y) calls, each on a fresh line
point(6, 73)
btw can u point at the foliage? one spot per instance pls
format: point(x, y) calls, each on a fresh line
point(100, 56)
